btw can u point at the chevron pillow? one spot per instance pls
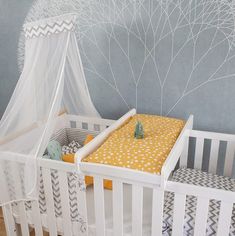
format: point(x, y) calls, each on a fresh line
point(72, 147)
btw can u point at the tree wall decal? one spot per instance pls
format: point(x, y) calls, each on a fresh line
point(150, 52)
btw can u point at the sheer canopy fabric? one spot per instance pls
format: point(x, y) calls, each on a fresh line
point(52, 79)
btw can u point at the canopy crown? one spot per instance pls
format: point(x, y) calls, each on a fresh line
point(49, 26)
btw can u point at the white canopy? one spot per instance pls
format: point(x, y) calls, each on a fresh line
point(52, 79)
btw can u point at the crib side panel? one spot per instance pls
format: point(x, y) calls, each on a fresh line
point(88, 123)
point(62, 199)
point(206, 200)
point(130, 189)
point(209, 151)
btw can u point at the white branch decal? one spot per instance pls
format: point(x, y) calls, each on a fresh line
point(168, 49)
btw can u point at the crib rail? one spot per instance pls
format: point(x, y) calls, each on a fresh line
point(82, 122)
point(219, 146)
point(176, 151)
point(204, 195)
point(128, 176)
point(89, 123)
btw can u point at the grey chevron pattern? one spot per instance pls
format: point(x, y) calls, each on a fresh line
point(73, 201)
point(41, 199)
point(50, 26)
point(9, 179)
point(75, 182)
point(56, 192)
point(197, 177)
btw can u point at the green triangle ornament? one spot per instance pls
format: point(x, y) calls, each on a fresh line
point(139, 130)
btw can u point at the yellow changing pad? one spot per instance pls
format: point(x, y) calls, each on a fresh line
point(147, 154)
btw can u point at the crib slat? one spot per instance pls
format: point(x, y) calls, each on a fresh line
point(9, 220)
point(229, 158)
point(137, 210)
point(3, 184)
point(117, 208)
point(36, 218)
point(199, 153)
point(36, 215)
point(63, 181)
point(90, 126)
point(224, 218)
point(19, 194)
point(79, 124)
point(157, 212)
point(23, 219)
point(6, 209)
point(51, 219)
point(99, 206)
point(16, 177)
point(178, 214)
point(82, 208)
point(201, 216)
point(214, 156)
point(184, 155)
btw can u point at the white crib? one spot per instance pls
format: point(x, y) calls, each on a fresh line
point(135, 205)
point(214, 142)
point(18, 217)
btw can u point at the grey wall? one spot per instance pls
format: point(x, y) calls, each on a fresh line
point(12, 15)
point(212, 102)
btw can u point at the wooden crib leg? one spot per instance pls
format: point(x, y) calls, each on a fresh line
point(11, 227)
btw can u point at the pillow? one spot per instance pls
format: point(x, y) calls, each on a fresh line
point(107, 183)
point(89, 137)
point(54, 150)
point(68, 157)
point(72, 147)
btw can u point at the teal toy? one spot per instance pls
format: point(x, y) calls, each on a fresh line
point(54, 150)
point(139, 130)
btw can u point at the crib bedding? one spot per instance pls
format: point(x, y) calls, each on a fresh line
point(147, 154)
point(72, 147)
point(64, 137)
point(197, 177)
